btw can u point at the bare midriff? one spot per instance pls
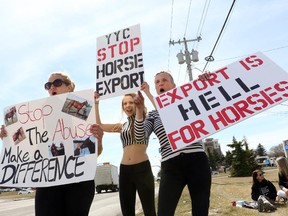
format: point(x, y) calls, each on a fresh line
point(134, 154)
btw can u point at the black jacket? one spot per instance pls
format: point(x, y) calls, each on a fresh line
point(283, 181)
point(265, 188)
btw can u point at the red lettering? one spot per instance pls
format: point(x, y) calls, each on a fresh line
point(252, 61)
point(262, 103)
point(242, 108)
point(174, 96)
point(187, 133)
point(278, 87)
point(230, 118)
point(77, 131)
point(185, 88)
point(218, 119)
point(39, 113)
point(200, 84)
point(101, 54)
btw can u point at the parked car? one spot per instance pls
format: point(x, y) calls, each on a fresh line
point(25, 191)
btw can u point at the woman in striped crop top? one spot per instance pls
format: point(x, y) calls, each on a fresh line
point(188, 166)
point(135, 169)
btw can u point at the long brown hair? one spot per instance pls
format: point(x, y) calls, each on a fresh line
point(134, 114)
point(254, 176)
point(282, 164)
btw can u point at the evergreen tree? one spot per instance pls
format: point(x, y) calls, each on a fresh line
point(260, 150)
point(243, 159)
point(215, 159)
point(228, 158)
point(211, 158)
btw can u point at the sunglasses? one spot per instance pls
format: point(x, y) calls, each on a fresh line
point(56, 83)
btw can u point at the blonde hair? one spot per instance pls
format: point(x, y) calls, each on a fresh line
point(65, 78)
point(169, 74)
point(133, 95)
point(282, 164)
point(133, 119)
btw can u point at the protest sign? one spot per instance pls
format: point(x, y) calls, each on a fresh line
point(119, 63)
point(49, 142)
point(232, 94)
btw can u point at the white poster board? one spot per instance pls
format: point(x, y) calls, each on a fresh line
point(49, 142)
point(120, 67)
point(243, 89)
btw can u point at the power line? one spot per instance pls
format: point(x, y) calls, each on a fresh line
point(187, 18)
point(241, 56)
point(203, 18)
point(210, 57)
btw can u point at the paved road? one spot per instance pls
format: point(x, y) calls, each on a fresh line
point(104, 204)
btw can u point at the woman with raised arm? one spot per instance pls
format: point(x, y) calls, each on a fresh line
point(135, 169)
point(188, 166)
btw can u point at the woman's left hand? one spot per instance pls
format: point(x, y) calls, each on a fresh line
point(3, 132)
point(97, 131)
point(205, 76)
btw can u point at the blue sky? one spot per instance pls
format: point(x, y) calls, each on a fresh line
point(38, 37)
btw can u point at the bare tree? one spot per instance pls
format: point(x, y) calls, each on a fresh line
point(276, 151)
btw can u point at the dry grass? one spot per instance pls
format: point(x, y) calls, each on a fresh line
point(14, 195)
point(225, 190)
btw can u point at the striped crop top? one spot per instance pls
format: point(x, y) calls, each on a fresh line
point(125, 133)
point(154, 124)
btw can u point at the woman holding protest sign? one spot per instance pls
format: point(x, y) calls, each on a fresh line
point(187, 166)
point(72, 199)
point(135, 169)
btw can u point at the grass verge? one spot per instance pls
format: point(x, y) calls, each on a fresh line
point(224, 191)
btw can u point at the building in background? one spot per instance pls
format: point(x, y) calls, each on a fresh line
point(211, 145)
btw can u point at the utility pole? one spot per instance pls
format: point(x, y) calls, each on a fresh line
point(187, 55)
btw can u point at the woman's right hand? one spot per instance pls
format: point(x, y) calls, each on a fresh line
point(145, 87)
point(96, 97)
point(3, 132)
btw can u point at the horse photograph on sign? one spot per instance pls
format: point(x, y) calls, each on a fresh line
point(10, 116)
point(84, 147)
point(18, 136)
point(77, 107)
point(56, 149)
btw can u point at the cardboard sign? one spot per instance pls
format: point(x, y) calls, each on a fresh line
point(120, 68)
point(49, 142)
point(243, 89)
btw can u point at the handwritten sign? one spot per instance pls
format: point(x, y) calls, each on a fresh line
point(49, 142)
point(234, 93)
point(119, 67)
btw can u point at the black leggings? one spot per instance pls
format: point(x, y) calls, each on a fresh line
point(191, 169)
point(138, 178)
point(65, 200)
